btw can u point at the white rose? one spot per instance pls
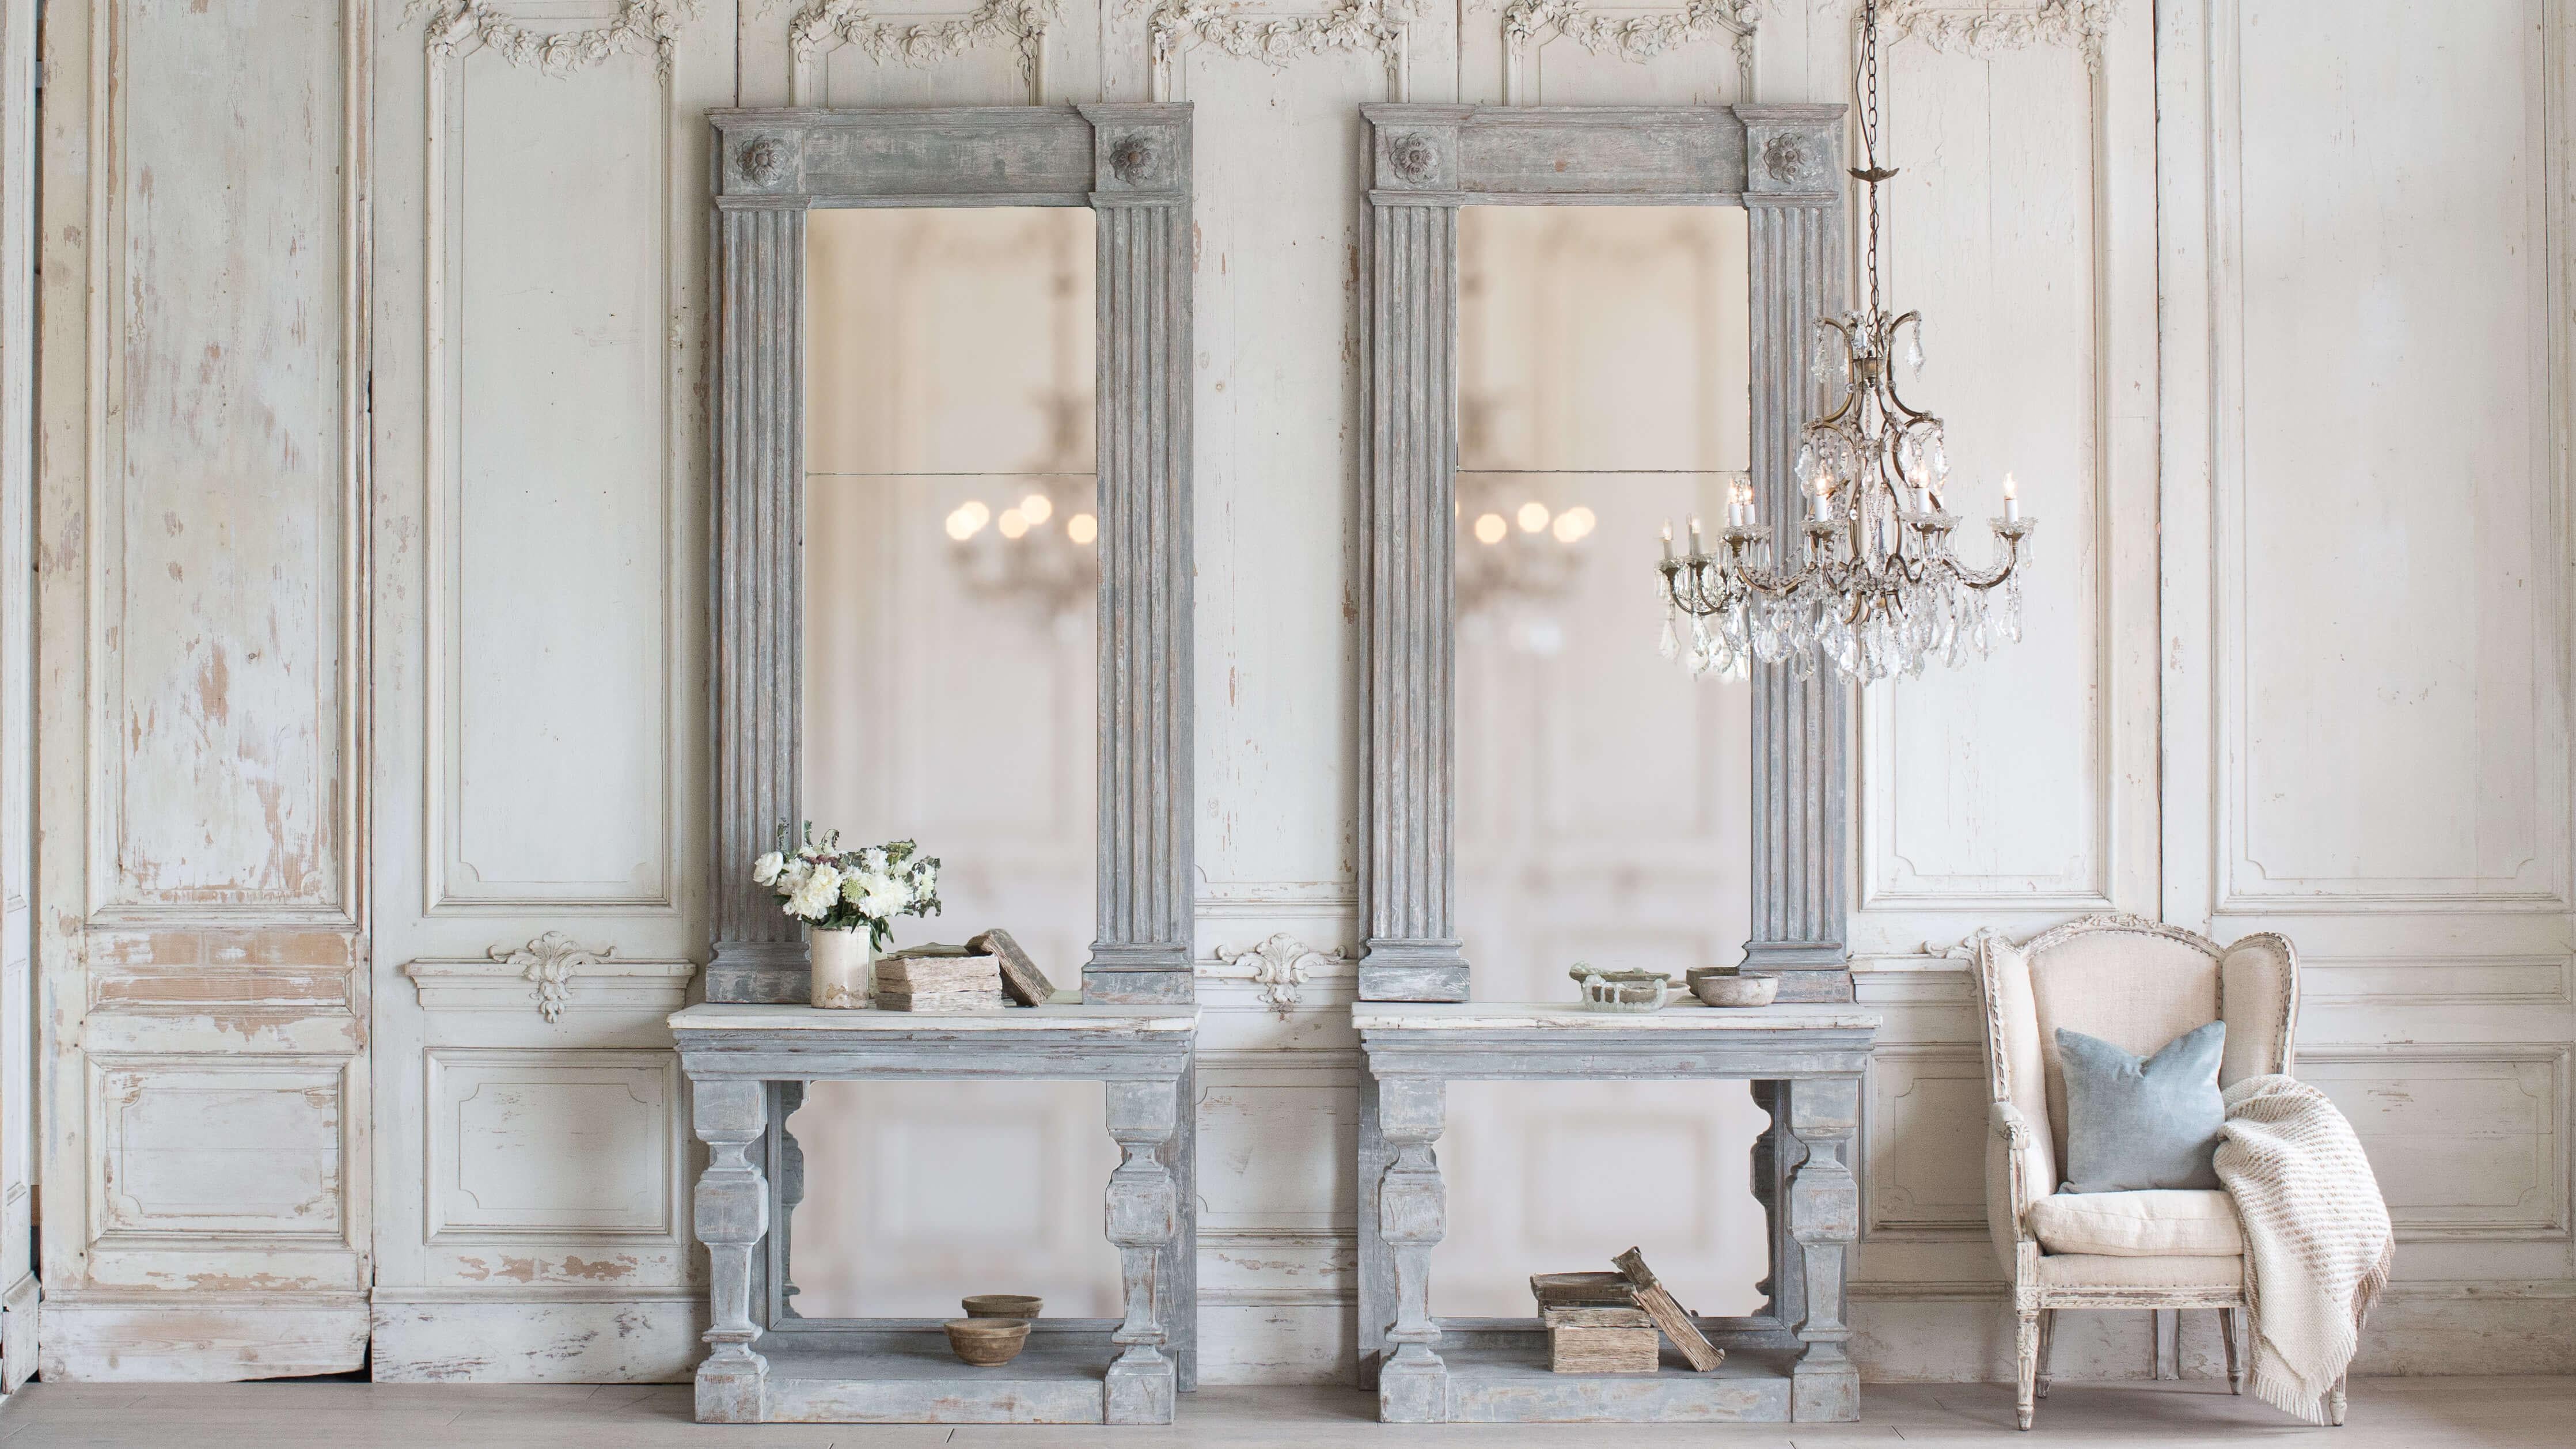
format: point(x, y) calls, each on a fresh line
point(815, 894)
point(884, 905)
point(791, 875)
point(873, 860)
point(765, 870)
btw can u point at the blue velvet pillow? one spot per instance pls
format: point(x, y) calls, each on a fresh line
point(2135, 1123)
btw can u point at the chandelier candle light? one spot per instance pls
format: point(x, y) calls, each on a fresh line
point(1877, 590)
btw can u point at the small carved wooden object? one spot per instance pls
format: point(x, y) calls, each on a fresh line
point(1668, 1314)
point(1601, 1341)
point(1022, 981)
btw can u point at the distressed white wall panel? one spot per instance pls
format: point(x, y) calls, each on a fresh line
point(2467, 1141)
point(555, 621)
point(230, 462)
point(576, 1142)
point(1993, 233)
point(1925, 1162)
point(2399, 745)
point(242, 1150)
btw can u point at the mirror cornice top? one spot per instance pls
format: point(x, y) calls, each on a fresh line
point(1602, 155)
point(1113, 154)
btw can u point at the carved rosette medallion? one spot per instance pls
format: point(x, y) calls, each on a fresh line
point(1793, 161)
point(764, 162)
point(1132, 160)
point(1413, 158)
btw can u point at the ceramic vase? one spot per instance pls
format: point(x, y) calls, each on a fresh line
point(843, 962)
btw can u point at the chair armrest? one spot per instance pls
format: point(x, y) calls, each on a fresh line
point(2015, 1139)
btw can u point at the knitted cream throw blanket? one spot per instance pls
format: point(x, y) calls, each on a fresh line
point(2317, 1241)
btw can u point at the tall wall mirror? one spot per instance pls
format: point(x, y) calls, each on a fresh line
point(952, 605)
point(1590, 322)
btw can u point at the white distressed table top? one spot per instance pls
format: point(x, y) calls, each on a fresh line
point(1559, 1016)
point(1086, 1017)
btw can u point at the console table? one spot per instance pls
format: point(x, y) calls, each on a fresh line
point(747, 1066)
point(1785, 1363)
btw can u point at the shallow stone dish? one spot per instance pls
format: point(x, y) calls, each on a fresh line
point(1723, 990)
point(987, 1342)
point(1002, 1305)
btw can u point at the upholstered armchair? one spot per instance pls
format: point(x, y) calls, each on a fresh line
point(2137, 985)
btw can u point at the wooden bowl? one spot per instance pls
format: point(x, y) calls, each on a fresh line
point(987, 1342)
point(1736, 990)
point(1003, 1305)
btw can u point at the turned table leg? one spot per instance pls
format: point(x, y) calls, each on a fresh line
point(1413, 1384)
point(1824, 1221)
point(732, 1216)
point(1143, 1215)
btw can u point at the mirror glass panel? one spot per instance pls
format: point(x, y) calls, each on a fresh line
point(951, 598)
point(1603, 795)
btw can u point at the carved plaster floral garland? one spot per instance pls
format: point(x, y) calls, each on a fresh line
point(925, 40)
point(641, 27)
point(1635, 38)
point(1986, 30)
point(1378, 27)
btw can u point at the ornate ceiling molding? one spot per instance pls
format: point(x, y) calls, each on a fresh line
point(921, 41)
point(642, 27)
point(1997, 27)
point(1365, 27)
point(1635, 37)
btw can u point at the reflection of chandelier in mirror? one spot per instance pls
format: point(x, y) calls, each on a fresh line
point(1515, 557)
point(1041, 547)
point(1876, 589)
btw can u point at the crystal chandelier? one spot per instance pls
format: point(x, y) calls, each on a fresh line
point(1876, 590)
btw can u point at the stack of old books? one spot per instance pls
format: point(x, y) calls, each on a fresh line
point(1607, 1323)
point(939, 978)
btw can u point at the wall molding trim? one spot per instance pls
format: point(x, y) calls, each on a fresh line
point(919, 41)
point(641, 27)
point(1383, 28)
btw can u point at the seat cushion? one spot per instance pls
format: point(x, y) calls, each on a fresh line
point(2079, 1272)
point(2136, 1121)
point(2167, 1223)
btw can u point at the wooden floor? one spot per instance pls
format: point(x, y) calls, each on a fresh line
point(2386, 1414)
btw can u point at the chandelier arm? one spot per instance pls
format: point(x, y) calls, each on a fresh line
point(2008, 560)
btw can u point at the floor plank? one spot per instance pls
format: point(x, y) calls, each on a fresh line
point(2514, 1413)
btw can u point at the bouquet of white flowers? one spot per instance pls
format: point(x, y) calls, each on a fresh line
point(833, 889)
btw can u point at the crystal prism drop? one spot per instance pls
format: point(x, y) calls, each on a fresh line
point(1914, 348)
point(1670, 642)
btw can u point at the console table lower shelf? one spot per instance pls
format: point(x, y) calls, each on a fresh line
point(912, 1378)
point(1510, 1383)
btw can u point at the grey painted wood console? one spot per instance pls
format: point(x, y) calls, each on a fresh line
point(1784, 1363)
point(748, 1066)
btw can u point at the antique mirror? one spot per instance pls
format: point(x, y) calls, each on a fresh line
point(1590, 322)
point(953, 605)
point(1541, 406)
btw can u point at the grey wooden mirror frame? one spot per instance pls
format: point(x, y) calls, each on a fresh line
point(1783, 164)
point(1130, 163)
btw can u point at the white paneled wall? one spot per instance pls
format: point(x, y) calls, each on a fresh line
point(369, 554)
